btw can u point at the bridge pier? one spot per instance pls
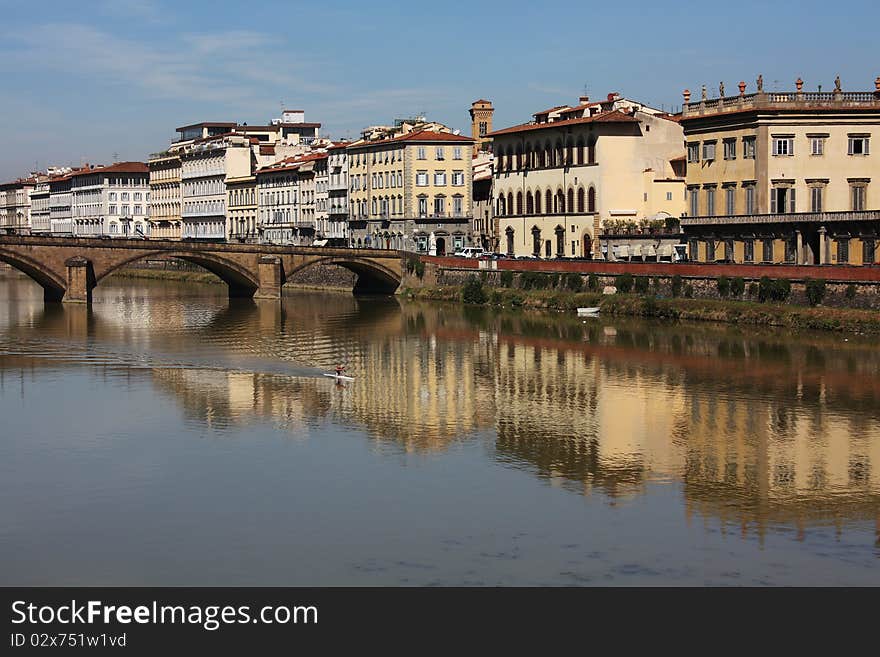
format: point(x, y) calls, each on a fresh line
point(80, 280)
point(270, 277)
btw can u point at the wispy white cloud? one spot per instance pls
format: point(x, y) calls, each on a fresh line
point(231, 67)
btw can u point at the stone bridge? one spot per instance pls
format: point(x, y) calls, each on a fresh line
point(69, 268)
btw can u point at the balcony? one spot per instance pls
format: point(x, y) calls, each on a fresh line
point(782, 100)
point(783, 218)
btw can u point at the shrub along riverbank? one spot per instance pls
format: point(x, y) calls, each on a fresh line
point(635, 299)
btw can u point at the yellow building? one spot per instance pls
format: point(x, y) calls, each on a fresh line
point(783, 176)
point(559, 177)
point(241, 208)
point(164, 196)
point(411, 191)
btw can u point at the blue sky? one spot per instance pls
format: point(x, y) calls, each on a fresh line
point(87, 80)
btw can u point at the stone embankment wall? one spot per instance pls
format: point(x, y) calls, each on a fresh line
point(843, 287)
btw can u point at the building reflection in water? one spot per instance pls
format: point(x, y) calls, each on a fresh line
point(757, 428)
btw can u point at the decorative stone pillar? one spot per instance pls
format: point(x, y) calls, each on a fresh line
point(823, 247)
point(799, 248)
point(80, 280)
point(269, 271)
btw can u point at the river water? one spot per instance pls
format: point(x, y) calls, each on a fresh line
point(168, 436)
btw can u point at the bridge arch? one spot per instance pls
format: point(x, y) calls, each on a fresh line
point(372, 276)
point(53, 283)
point(241, 281)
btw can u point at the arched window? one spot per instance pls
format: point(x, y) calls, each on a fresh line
point(570, 204)
point(560, 202)
point(548, 205)
point(519, 202)
point(536, 241)
point(509, 203)
point(538, 202)
point(580, 206)
point(499, 207)
point(580, 150)
point(591, 150)
point(530, 203)
point(560, 240)
point(509, 234)
point(591, 200)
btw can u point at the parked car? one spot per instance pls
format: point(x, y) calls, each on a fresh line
point(470, 252)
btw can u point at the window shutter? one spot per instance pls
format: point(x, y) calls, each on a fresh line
point(792, 203)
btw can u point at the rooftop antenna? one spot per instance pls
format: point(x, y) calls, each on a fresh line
point(116, 157)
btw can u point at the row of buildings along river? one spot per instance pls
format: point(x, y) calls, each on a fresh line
point(755, 429)
point(750, 175)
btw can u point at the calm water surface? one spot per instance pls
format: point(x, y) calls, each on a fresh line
point(167, 436)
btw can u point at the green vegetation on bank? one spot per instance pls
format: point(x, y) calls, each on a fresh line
point(768, 309)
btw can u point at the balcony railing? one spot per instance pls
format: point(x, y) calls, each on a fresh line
point(783, 100)
point(789, 217)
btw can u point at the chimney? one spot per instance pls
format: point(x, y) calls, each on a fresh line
point(583, 100)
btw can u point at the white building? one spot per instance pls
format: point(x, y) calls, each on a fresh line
point(15, 205)
point(278, 199)
point(205, 166)
point(112, 200)
point(337, 213)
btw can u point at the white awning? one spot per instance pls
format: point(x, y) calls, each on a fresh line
point(320, 243)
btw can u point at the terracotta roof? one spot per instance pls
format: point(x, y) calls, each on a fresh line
point(300, 125)
point(552, 109)
point(614, 116)
point(119, 167)
point(427, 136)
point(338, 145)
point(577, 108)
point(267, 149)
point(481, 100)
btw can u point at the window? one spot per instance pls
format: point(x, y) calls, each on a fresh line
point(137, 196)
point(458, 178)
point(710, 202)
point(858, 197)
point(782, 200)
point(749, 148)
point(815, 199)
point(730, 200)
point(842, 250)
point(138, 210)
point(457, 206)
point(709, 150)
point(693, 249)
point(456, 153)
point(483, 128)
point(728, 250)
point(440, 178)
point(730, 149)
point(112, 209)
point(421, 179)
point(112, 196)
point(124, 196)
point(750, 199)
point(791, 249)
point(440, 154)
point(767, 255)
point(749, 250)
point(858, 145)
point(868, 251)
point(817, 145)
point(123, 210)
point(668, 196)
point(783, 145)
point(421, 153)
point(439, 205)
point(695, 202)
point(694, 152)
point(710, 250)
